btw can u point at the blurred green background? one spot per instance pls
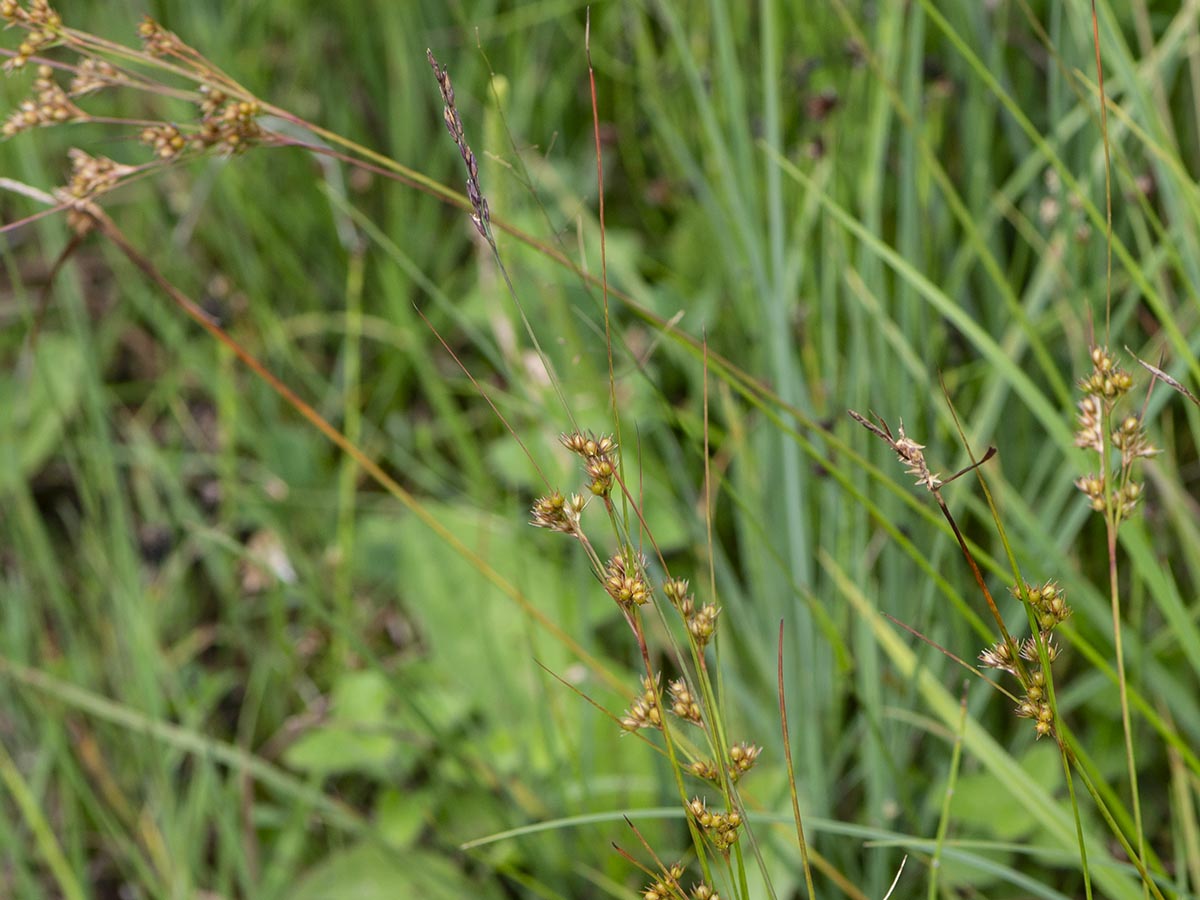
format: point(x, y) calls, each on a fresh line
point(233, 666)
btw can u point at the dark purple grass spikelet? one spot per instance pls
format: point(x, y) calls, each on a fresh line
point(481, 217)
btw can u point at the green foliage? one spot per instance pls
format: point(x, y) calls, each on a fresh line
point(232, 663)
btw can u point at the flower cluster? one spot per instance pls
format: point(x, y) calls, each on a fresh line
point(1049, 606)
point(742, 757)
point(906, 449)
point(558, 513)
point(721, 829)
point(49, 104)
point(625, 581)
point(599, 459)
point(42, 24)
point(624, 577)
point(683, 704)
point(1048, 602)
point(668, 887)
point(643, 711)
point(227, 124)
point(90, 177)
point(1113, 489)
point(93, 75)
point(701, 622)
point(157, 41)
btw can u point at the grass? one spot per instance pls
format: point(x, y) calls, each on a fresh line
point(235, 662)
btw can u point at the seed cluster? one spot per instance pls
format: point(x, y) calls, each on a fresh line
point(668, 888)
point(625, 578)
point(721, 829)
point(1113, 490)
point(43, 28)
point(226, 124)
point(48, 104)
point(643, 711)
point(626, 582)
point(701, 622)
point(1049, 606)
point(558, 513)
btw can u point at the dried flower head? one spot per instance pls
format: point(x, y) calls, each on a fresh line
point(906, 449)
point(230, 126)
point(999, 656)
point(558, 513)
point(1104, 387)
point(91, 176)
point(1107, 380)
point(1130, 439)
point(1040, 712)
point(1090, 433)
point(588, 445)
point(1093, 487)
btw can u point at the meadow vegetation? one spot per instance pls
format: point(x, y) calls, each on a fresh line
point(311, 309)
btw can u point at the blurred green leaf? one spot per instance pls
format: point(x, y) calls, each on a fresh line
point(36, 404)
point(354, 740)
point(366, 872)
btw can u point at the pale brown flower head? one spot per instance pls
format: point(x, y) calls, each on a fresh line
point(910, 452)
point(906, 449)
point(43, 26)
point(742, 757)
point(1107, 380)
point(156, 40)
point(643, 711)
point(558, 513)
point(1130, 439)
point(1092, 486)
point(1029, 651)
point(1090, 434)
point(701, 623)
point(47, 105)
point(1049, 604)
point(626, 582)
point(999, 656)
point(683, 702)
point(93, 75)
point(666, 888)
point(720, 828)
